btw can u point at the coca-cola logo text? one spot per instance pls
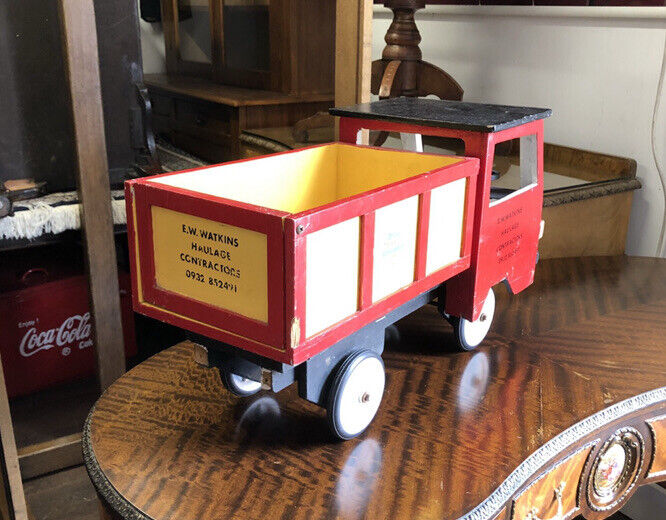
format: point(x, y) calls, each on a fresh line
point(74, 329)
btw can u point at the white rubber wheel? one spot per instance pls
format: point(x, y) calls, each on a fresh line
point(470, 334)
point(355, 395)
point(239, 385)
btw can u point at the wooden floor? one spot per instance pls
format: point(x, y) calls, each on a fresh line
point(65, 495)
point(52, 413)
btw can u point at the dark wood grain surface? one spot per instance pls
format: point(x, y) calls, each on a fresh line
point(224, 94)
point(455, 431)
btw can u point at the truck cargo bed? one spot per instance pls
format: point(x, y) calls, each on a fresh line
point(286, 254)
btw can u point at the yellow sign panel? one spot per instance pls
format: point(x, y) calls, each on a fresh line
point(214, 263)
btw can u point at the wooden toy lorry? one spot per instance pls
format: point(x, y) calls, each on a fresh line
point(290, 267)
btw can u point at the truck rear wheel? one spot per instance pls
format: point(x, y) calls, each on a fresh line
point(355, 394)
point(239, 385)
point(470, 334)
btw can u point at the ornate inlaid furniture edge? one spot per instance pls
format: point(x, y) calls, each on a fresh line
point(499, 503)
point(658, 425)
point(546, 457)
point(589, 191)
point(563, 492)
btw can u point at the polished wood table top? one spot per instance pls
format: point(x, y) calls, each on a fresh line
point(516, 429)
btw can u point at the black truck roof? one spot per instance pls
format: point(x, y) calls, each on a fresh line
point(459, 115)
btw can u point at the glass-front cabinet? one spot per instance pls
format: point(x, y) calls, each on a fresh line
point(195, 42)
point(245, 29)
point(280, 45)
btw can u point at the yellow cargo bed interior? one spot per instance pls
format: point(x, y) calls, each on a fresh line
point(308, 178)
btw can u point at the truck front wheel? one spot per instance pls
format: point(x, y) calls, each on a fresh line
point(470, 334)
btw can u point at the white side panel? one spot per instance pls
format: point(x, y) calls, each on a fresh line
point(331, 275)
point(445, 230)
point(395, 247)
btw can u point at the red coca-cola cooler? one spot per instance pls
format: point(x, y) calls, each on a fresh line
point(45, 319)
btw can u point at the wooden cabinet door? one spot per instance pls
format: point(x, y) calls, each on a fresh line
point(189, 28)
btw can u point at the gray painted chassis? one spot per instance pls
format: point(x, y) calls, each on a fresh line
point(314, 375)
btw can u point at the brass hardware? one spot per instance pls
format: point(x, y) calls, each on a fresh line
point(623, 452)
point(558, 491)
point(200, 355)
point(266, 379)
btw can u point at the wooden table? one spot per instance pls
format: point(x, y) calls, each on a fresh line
point(572, 363)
